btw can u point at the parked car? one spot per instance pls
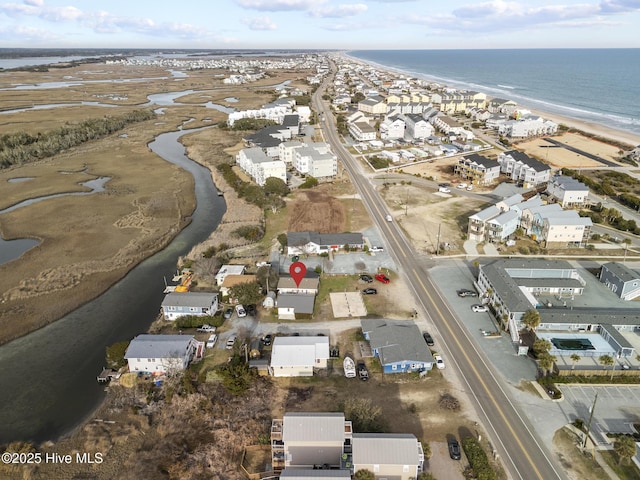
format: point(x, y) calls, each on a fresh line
point(444, 189)
point(227, 313)
point(469, 188)
point(428, 338)
point(369, 291)
point(361, 368)
point(466, 293)
point(439, 361)
point(477, 308)
point(454, 449)
point(376, 249)
point(382, 278)
point(251, 310)
point(241, 311)
point(366, 278)
point(213, 338)
point(231, 342)
point(462, 186)
point(267, 339)
point(206, 328)
point(263, 264)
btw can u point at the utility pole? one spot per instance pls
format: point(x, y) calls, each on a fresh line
point(593, 408)
point(438, 240)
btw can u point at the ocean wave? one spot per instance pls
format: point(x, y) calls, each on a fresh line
point(508, 87)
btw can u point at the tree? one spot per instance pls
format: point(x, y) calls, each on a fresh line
point(115, 355)
point(607, 361)
point(541, 345)
point(310, 182)
point(364, 475)
point(267, 277)
point(246, 293)
point(546, 361)
point(531, 319)
point(275, 186)
point(236, 376)
point(625, 448)
point(575, 358)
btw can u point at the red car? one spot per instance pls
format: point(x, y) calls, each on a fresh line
point(382, 278)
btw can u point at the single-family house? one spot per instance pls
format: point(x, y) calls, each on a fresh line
point(531, 219)
point(295, 305)
point(228, 270)
point(315, 474)
point(162, 353)
point(565, 229)
point(478, 169)
point(567, 191)
point(179, 304)
point(418, 127)
point(621, 280)
point(298, 356)
point(388, 455)
point(398, 345)
point(500, 228)
point(308, 285)
point(392, 128)
point(315, 243)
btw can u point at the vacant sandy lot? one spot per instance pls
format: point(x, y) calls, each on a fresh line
point(559, 157)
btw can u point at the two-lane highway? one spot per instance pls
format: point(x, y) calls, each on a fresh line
point(523, 456)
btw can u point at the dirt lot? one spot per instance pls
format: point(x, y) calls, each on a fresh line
point(576, 465)
point(316, 211)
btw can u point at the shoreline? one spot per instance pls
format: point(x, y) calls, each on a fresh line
point(629, 138)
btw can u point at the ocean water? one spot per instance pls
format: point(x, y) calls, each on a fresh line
point(595, 85)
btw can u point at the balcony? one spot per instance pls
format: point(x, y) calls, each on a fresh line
point(276, 430)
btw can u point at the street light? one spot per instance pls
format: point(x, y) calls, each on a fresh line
point(593, 407)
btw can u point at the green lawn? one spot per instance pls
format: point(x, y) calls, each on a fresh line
point(334, 283)
point(624, 471)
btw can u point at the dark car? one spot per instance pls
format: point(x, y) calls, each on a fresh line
point(251, 310)
point(366, 278)
point(428, 338)
point(266, 340)
point(361, 368)
point(369, 291)
point(227, 313)
point(466, 293)
point(454, 449)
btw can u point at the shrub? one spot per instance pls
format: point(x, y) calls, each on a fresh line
point(192, 321)
point(310, 182)
point(253, 233)
point(478, 459)
point(115, 355)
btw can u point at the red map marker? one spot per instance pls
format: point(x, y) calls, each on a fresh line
point(297, 270)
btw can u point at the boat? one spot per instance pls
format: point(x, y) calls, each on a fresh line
point(349, 367)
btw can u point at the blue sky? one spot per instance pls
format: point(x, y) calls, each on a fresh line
point(331, 24)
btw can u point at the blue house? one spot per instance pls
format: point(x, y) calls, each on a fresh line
point(179, 304)
point(398, 344)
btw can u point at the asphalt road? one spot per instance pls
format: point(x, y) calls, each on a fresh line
point(512, 437)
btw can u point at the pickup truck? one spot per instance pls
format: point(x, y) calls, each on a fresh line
point(206, 328)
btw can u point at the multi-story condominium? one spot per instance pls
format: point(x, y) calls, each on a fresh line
point(259, 166)
point(286, 151)
point(565, 229)
point(447, 125)
point(524, 169)
point(567, 191)
point(373, 106)
point(392, 128)
point(527, 127)
point(362, 131)
point(478, 169)
point(315, 159)
point(418, 127)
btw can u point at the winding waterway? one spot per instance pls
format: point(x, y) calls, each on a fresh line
point(48, 378)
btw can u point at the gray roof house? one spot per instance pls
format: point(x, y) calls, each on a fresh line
point(295, 305)
point(161, 353)
point(388, 455)
point(178, 304)
point(622, 281)
point(398, 344)
point(315, 243)
point(522, 168)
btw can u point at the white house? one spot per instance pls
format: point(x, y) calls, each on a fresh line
point(388, 455)
point(567, 191)
point(259, 166)
point(418, 127)
point(478, 169)
point(362, 131)
point(162, 353)
point(392, 128)
point(179, 304)
point(315, 243)
point(286, 151)
point(228, 270)
point(298, 356)
point(522, 168)
point(315, 159)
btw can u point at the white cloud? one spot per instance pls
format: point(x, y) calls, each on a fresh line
point(260, 23)
point(35, 3)
point(340, 11)
point(278, 5)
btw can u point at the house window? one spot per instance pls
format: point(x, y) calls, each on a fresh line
point(193, 309)
point(394, 367)
point(405, 468)
point(376, 468)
